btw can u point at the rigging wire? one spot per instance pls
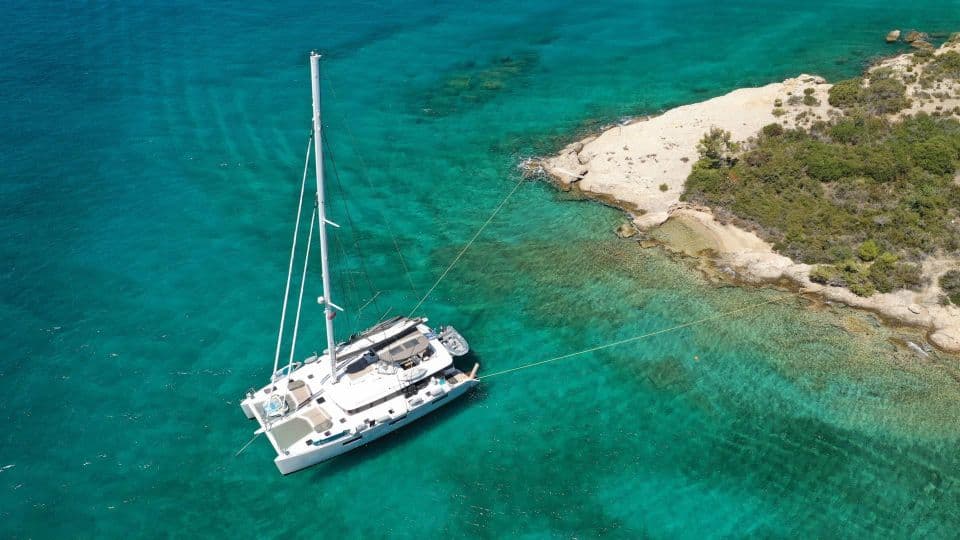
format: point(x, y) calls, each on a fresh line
point(350, 223)
point(293, 252)
point(365, 174)
point(352, 293)
point(466, 247)
point(303, 281)
point(638, 338)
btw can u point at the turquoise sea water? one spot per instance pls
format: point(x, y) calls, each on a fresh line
point(150, 160)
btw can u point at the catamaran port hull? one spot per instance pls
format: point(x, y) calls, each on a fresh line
point(348, 442)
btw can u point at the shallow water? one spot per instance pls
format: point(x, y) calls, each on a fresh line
point(151, 163)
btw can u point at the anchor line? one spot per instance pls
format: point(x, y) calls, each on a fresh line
point(638, 338)
point(259, 433)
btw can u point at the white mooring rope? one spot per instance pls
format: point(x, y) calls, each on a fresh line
point(466, 247)
point(638, 338)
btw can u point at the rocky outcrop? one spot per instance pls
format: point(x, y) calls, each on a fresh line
point(893, 36)
point(947, 340)
point(914, 35)
point(627, 165)
point(626, 230)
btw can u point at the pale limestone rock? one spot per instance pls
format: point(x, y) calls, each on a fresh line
point(946, 339)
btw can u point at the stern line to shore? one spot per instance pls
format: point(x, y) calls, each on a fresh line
point(643, 336)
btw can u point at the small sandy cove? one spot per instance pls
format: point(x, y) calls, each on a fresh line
point(641, 167)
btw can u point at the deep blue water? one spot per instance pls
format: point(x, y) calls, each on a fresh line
point(151, 159)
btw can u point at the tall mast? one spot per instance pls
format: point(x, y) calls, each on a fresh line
point(328, 305)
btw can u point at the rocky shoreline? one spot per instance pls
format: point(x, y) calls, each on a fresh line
point(641, 167)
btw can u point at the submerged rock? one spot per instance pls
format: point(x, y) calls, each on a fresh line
point(626, 230)
point(914, 35)
point(921, 44)
point(648, 243)
point(893, 36)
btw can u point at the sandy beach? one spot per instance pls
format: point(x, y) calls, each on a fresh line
point(641, 167)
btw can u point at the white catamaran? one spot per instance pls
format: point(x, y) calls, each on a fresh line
point(355, 392)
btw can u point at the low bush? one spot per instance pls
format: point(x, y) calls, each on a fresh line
point(868, 251)
point(950, 283)
point(845, 94)
point(888, 274)
point(885, 96)
point(827, 274)
point(718, 148)
point(936, 155)
point(943, 66)
point(773, 130)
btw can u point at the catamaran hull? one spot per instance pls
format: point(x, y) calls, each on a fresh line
point(319, 454)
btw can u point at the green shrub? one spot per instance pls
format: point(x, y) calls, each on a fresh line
point(861, 288)
point(717, 147)
point(808, 91)
point(936, 155)
point(858, 128)
point(704, 179)
point(810, 101)
point(827, 162)
point(885, 96)
point(839, 252)
point(823, 273)
point(950, 283)
point(773, 130)
point(664, 187)
point(944, 66)
point(887, 274)
point(885, 163)
point(845, 94)
point(855, 277)
point(826, 274)
point(778, 112)
point(868, 251)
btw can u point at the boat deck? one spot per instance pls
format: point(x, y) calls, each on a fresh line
point(377, 393)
